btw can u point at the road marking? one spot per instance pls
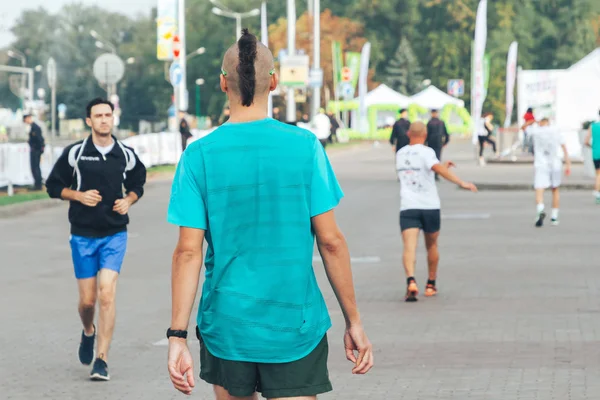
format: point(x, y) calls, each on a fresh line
point(467, 216)
point(356, 260)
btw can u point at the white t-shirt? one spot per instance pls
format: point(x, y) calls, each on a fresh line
point(546, 147)
point(417, 180)
point(322, 125)
point(104, 150)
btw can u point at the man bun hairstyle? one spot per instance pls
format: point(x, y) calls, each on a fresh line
point(245, 69)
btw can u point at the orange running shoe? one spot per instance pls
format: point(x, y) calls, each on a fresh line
point(412, 291)
point(430, 290)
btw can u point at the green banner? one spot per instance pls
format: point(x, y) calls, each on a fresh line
point(336, 48)
point(486, 74)
point(353, 62)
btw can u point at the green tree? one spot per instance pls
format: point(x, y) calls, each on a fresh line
point(403, 73)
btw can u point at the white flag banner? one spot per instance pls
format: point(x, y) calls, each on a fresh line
point(478, 89)
point(511, 77)
point(363, 126)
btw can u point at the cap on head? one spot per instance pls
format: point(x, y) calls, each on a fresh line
point(248, 67)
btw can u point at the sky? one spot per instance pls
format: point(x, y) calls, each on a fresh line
point(11, 10)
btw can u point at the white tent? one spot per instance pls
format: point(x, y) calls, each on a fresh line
point(434, 98)
point(384, 95)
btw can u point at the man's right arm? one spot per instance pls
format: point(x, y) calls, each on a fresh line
point(58, 184)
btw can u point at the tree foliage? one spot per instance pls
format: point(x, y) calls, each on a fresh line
point(551, 34)
point(403, 73)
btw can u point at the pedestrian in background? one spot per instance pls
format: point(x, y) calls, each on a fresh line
point(37, 145)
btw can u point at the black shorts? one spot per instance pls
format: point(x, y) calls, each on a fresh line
point(429, 221)
point(305, 377)
point(597, 164)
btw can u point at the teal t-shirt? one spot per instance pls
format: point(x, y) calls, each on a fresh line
point(254, 187)
point(595, 127)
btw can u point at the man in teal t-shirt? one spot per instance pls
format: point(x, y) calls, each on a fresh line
point(593, 140)
point(259, 192)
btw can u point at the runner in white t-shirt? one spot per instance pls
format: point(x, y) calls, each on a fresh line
point(417, 165)
point(547, 142)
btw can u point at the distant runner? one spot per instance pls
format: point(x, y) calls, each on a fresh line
point(548, 167)
point(593, 140)
point(420, 205)
point(399, 137)
point(437, 135)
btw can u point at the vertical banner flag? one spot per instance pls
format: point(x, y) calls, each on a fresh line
point(363, 122)
point(353, 62)
point(478, 89)
point(166, 28)
point(511, 76)
point(336, 49)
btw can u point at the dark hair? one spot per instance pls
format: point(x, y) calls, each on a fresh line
point(530, 110)
point(95, 102)
point(246, 71)
point(26, 116)
point(402, 110)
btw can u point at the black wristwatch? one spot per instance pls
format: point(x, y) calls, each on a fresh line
point(175, 333)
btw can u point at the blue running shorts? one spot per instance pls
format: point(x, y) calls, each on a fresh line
point(90, 255)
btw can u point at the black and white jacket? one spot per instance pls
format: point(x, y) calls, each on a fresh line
point(82, 167)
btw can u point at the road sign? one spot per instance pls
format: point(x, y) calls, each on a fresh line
point(346, 90)
point(175, 74)
point(456, 87)
point(166, 27)
point(109, 69)
point(315, 78)
point(294, 71)
point(346, 74)
point(176, 46)
point(51, 73)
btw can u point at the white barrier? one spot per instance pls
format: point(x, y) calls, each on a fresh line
point(153, 149)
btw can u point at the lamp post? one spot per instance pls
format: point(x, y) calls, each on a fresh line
point(101, 41)
point(197, 52)
point(20, 56)
point(223, 11)
point(199, 82)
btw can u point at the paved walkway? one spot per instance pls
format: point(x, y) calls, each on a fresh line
point(516, 318)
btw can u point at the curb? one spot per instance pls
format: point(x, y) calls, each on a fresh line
point(529, 187)
point(20, 209)
point(17, 210)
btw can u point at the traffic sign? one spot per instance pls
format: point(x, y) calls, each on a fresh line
point(456, 87)
point(346, 90)
point(315, 78)
point(176, 46)
point(109, 69)
point(294, 71)
point(51, 73)
point(175, 74)
point(346, 74)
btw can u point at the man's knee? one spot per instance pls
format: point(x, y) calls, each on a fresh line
point(106, 295)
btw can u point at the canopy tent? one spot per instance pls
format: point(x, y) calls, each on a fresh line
point(433, 98)
point(384, 95)
point(567, 97)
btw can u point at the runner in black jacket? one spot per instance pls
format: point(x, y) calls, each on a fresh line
point(399, 137)
point(91, 174)
point(437, 135)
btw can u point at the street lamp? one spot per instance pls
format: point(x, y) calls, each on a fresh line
point(130, 60)
point(195, 53)
point(234, 15)
point(199, 82)
point(101, 42)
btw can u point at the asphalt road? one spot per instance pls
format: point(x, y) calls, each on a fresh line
point(517, 316)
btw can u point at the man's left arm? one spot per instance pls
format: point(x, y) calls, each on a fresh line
point(445, 133)
point(134, 186)
point(567, 159)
